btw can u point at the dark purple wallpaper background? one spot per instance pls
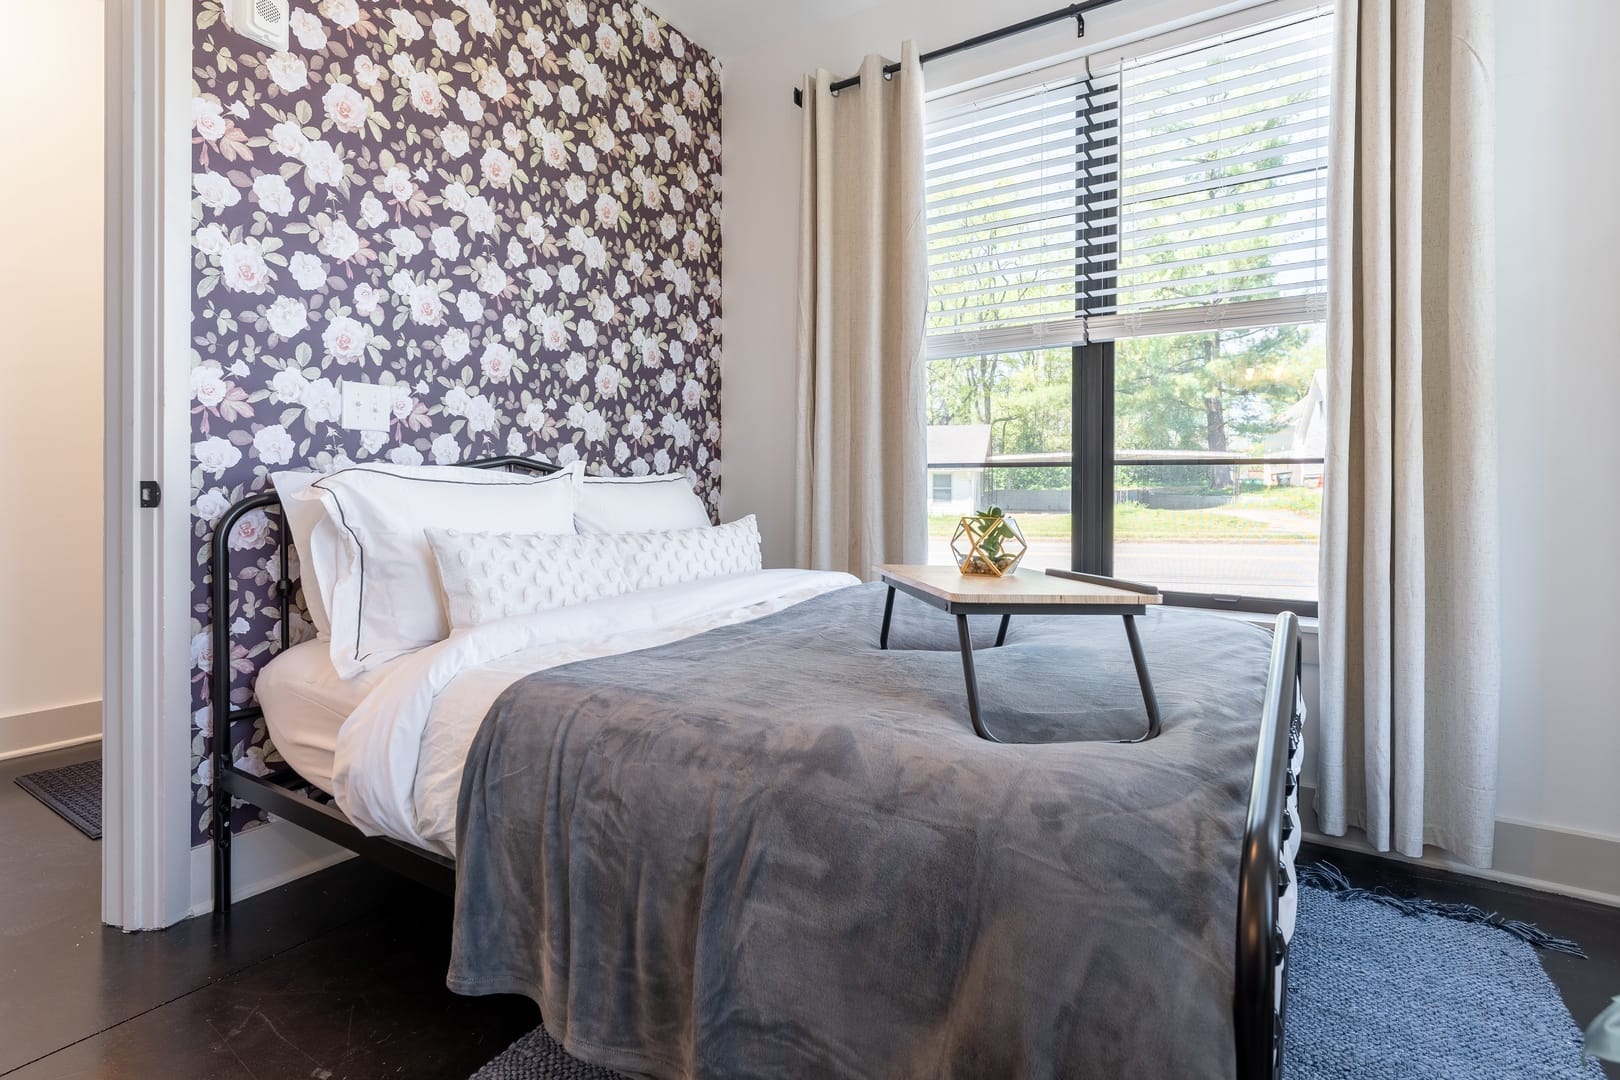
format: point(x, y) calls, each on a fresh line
point(506, 212)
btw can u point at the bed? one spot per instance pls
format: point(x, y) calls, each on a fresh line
point(701, 876)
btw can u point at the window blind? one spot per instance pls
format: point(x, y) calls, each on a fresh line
point(1169, 194)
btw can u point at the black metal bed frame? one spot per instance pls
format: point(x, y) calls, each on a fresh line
point(1258, 1003)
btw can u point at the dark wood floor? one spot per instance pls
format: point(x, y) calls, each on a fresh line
point(341, 975)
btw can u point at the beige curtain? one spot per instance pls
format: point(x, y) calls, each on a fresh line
point(1409, 592)
point(862, 444)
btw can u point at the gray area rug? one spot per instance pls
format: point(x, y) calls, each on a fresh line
point(72, 791)
point(1379, 989)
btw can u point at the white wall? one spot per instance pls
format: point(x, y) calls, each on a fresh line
point(1559, 279)
point(51, 187)
point(1560, 361)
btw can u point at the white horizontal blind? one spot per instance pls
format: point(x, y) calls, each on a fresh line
point(1171, 194)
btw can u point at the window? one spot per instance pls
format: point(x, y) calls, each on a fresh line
point(1126, 277)
point(944, 486)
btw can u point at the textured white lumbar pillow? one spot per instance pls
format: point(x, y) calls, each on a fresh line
point(489, 576)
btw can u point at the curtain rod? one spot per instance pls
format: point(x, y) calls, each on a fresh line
point(1077, 12)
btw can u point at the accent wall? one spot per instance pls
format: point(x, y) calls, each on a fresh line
point(506, 213)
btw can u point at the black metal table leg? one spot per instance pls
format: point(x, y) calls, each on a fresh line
point(965, 637)
point(888, 613)
point(1142, 677)
point(1001, 635)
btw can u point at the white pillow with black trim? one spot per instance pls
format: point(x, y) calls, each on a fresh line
point(490, 576)
point(386, 600)
point(316, 538)
point(613, 504)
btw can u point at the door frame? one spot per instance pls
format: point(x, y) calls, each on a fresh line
point(147, 801)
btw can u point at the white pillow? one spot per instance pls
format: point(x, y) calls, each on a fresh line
point(316, 537)
point(386, 600)
point(610, 504)
point(489, 576)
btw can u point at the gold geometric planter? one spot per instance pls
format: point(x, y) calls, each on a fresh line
point(988, 543)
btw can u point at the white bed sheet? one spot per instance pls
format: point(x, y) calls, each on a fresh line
point(401, 751)
point(305, 703)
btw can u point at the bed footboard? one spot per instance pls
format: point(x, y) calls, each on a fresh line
point(1259, 1001)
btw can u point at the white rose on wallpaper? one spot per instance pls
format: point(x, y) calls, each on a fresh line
point(666, 382)
point(602, 308)
point(425, 94)
point(287, 385)
point(677, 353)
point(308, 30)
point(666, 70)
point(446, 36)
point(407, 245)
point(345, 108)
point(208, 385)
point(692, 94)
point(367, 299)
point(287, 316)
point(427, 308)
point(596, 83)
point(577, 12)
point(634, 426)
point(456, 196)
point(496, 167)
point(367, 72)
point(497, 361)
point(242, 268)
point(444, 450)
point(212, 504)
point(202, 653)
point(471, 305)
point(585, 330)
point(405, 455)
point(568, 278)
point(480, 215)
point(605, 141)
point(661, 461)
point(470, 104)
point(515, 255)
point(455, 140)
point(678, 429)
point(343, 13)
point(677, 44)
point(208, 117)
point(574, 367)
point(323, 163)
point(511, 136)
point(492, 279)
point(514, 444)
point(455, 400)
point(566, 455)
point(456, 344)
point(533, 416)
point(607, 380)
point(586, 157)
point(553, 151)
point(345, 339)
point(621, 452)
point(397, 182)
point(692, 394)
point(515, 64)
point(639, 308)
point(534, 39)
point(589, 421)
point(677, 199)
point(480, 16)
point(607, 211)
point(401, 283)
point(445, 244)
point(480, 415)
point(272, 193)
point(661, 148)
point(492, 84)
point(372, 441)
point(211, 239)
point(568, 98)
point(308, 271)
point(553, 333)
point(322, 401)
point(540, 281)
point(287, 71)
point(404, 403)
point(338, 241)
point(405, 25)
point(371, 211)
point(288, 139)
point(215, 191)
point(401, 64)
point(215, 455)
point(608, 41)
point(512, 329)
point(273, 445)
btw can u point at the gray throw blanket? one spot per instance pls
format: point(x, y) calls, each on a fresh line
point(773, 850)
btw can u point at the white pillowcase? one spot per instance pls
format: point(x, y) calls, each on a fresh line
point(385, 600)
point(489, 576)
point(611, 504)
point(316, 537)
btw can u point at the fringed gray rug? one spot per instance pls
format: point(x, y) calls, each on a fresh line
point(72, 791)
point(1380, 988)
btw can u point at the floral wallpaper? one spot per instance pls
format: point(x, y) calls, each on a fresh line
point(506, 211)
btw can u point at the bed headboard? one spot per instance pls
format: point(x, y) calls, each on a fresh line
point(222, 678)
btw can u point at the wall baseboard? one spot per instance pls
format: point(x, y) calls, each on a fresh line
point(262, 858)
point(49, 729)
point(1541, 857)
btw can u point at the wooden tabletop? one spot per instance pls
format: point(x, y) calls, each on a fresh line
point(1020, 587)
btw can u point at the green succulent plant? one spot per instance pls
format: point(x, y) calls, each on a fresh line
point(995, 531)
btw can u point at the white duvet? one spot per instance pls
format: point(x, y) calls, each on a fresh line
point(397, 770)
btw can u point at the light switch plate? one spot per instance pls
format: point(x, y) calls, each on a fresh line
point(367, 406)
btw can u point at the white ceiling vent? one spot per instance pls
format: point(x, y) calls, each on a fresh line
point(264, 21)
